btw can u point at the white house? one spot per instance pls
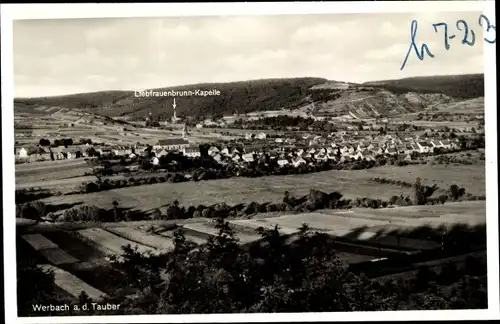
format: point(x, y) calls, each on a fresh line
point(213, 150)
point(192, 152)
point(437, 144)
point(391, 151)
point(358, 156)
point(199, 125)
point(22, 153)
point(446, 144)
point(408, 149)
point(282, 162)
point(248, 136)
point(369, 157)
point(331, 156)
point(218, 158)
point(225, 151)
point(424, 147)
point(236, 157)
point(155, 160)
point(261, 136)
point(161, 153)
point(247, 157)
point(298, 161)
point(279, 140)
point(320, 157)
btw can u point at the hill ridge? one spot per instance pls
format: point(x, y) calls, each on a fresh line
point(330, 98)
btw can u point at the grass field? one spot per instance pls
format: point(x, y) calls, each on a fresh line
point(57, 256)
point(151, 240)
point(469, 212)
point(39, 242)
point(51, 174)
point(351, 184)
point(72, 284)
point(110, 242)
point(374, 225)
point(48, 249)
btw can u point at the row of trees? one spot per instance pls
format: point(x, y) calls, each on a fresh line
point(57, 142)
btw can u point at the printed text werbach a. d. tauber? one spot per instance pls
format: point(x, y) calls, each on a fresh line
point(177, 93)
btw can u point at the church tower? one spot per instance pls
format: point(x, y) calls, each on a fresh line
point(185, 131)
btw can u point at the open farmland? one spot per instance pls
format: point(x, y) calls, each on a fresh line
point(109, 242)
point(376, 225)
point(204, 230)
point(154, 241)
point(72, 284)
point(51, 174)
point(351, 184)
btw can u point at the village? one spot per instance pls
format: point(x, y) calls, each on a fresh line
point(290, 150)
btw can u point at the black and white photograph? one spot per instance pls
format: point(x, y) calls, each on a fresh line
point(201, 159)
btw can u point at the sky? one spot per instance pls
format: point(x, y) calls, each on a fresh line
point(64, 56)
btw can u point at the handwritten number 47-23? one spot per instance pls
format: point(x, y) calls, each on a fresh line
point(469, 36)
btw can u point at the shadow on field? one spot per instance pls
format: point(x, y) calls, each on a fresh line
point(461, 237)
point(400, 250)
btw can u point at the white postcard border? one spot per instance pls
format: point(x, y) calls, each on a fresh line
point(47, 11)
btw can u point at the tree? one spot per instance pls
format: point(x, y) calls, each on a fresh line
point(454, 191)
point(180, 241)
point(156, 214)
point(44, 142)
point(419, 195)
point(91, 151)
point(116, 211)
point(34, 286)
point(224, 246)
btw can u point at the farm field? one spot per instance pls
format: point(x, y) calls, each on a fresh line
point(48, 249)
point(151, 240)
point(441, 124)
point(351, 184)
point(363, 233)
point(109, 242)
point(64, 185)
point(468, 212)
point(51, 173)
point(72, 284)
point(367, 225)
point(208, 230)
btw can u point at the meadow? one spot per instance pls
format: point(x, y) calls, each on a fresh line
point(352, 184)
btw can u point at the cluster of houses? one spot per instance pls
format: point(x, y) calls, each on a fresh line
point(318, 149)
point(42, 153)
point(162, 147)
point(308, 149)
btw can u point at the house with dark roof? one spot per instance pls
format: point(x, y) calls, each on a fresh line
point(424, 147)
point(192, 151)
point(171, 144)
